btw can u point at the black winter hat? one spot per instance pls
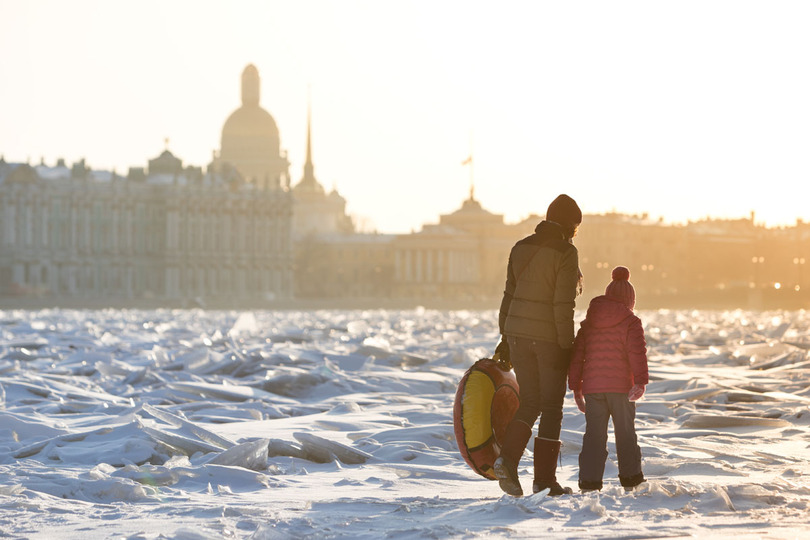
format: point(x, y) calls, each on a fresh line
point(564, 210)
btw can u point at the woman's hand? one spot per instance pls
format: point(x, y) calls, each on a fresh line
point(502, 355)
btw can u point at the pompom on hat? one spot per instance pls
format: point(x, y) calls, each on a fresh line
point(621, 288)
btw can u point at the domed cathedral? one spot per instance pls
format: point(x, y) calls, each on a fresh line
point(250, 141)
point(317, 213)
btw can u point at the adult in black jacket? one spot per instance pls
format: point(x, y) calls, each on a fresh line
point(536, 321)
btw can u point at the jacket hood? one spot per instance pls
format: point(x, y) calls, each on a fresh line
point(549, 230)
point(604, 312)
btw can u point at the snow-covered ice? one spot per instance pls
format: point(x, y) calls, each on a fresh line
point(194, 424)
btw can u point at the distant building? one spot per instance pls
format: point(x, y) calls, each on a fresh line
point(317, 213)
point(165, 232)
point(345, 266)
point(168, 232)
point(462, 257)
point(656, 253)
point(331, 260)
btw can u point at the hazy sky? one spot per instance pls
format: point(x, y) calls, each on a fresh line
point(682, 109)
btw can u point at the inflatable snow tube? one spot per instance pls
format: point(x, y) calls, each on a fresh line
point(486, 400)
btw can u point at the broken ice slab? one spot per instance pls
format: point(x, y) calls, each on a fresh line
point(181, 443)
point(322, 448)
point(704, 421)
point(228, 392)
point(250, 455)
point(203, 434)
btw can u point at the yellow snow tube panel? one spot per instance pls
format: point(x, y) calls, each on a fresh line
point(476, 405)
point(486, 399)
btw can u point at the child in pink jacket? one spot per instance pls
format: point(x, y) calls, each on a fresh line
point(608, 373)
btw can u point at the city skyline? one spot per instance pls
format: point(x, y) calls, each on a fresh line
point(683, 112)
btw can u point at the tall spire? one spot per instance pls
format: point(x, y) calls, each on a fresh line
point(309, 169)
point(308, 181)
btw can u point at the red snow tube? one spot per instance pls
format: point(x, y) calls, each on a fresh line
point(486, 400)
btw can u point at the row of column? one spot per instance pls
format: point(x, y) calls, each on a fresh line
point(436, 266)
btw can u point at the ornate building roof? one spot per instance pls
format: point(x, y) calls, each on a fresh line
point(471, 216)
point(165, 163)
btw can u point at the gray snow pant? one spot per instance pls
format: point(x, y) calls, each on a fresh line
point(599, 409)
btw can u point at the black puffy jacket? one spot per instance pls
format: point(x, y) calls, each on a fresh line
point(542, 280)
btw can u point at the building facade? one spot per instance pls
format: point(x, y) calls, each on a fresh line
point(463, 257)
point(85, 234)
point(164, 232)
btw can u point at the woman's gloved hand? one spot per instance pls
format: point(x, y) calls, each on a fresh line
point(502, 355)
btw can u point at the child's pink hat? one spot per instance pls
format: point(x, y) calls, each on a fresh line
point(621, 287)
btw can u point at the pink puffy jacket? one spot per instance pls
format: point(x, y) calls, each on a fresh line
point(610, 352)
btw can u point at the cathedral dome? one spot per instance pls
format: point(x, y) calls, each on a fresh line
point(250, 121)
point(250, 137)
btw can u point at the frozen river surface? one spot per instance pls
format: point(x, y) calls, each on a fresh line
point(338, 424)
